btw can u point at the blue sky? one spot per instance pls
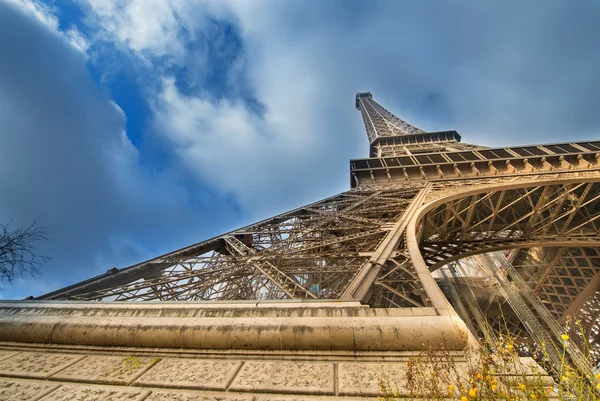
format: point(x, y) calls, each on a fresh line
point(132, 128)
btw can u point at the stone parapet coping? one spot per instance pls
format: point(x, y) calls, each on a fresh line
point(205, 309)
point(349, 328)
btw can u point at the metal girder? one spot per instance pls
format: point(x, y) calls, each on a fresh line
point(379, 122)
point(570, 281)
point(549, 268)
point(585, 326)
point(585, 294)
point(291, 287)
point(335, 248)
point(313, 251)
point(516, 213)
point(540, 325)
point(419, 190)
point(361, 284)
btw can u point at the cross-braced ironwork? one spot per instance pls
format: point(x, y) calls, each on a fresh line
point(421, 200)
point(311, 252)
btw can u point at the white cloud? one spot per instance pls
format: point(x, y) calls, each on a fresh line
point(450, 66)
point(304, 62)
point(233, 149)
point(66, 158)
point(40, 11)
point(77, 40)
point(151, 28)
point(223, 141)
point(45, 14)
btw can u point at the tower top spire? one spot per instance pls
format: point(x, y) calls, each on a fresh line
point(379, 122)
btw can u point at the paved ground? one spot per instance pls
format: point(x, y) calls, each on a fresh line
point(63, 376)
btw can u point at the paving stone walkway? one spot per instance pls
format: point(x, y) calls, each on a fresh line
point(62, 376)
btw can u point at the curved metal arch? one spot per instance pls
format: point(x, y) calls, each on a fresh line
point(415, 231)
point(574, 243)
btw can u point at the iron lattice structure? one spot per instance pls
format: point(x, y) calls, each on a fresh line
point(420, 202)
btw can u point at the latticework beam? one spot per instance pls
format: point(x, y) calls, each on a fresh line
point(420, 201)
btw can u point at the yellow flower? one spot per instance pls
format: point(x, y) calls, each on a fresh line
point(473, 393)
point(396, 394)
point(564, 378)
point(494, 387)
point(565, 337)
point(510, 347)
point(463, 398)
point(522, 386)
point(598, 386)
point(597, 376)
point(533, 396)
point(450, 388)
point(479, 376)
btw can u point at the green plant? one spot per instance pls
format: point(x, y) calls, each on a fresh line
point(490, 371)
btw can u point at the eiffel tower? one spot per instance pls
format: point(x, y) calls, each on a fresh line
point(435, 235)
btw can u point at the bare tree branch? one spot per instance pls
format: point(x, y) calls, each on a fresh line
point(17, 251)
